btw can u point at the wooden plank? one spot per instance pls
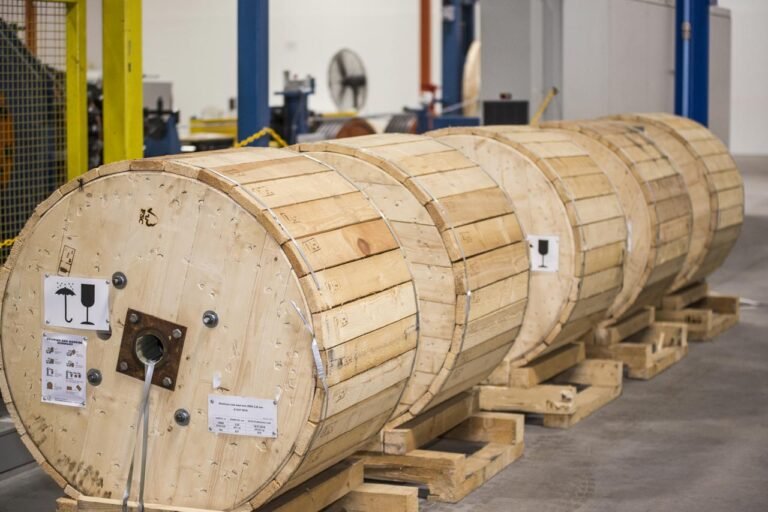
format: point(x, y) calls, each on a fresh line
point(359, 278)
point(314, 217)
point(373, 497)
point(346, 322)
point(339, 246)
point(472, 206)
point(321, 490)
point(300, 189)
point(686, 296)
point(429, 425)
point(486, 235)
point(546, 366)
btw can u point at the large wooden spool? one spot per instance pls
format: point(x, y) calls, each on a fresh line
point(714, 184)
point(465, 249)
point(660, 232)
point(558, 191)
point(286, 251)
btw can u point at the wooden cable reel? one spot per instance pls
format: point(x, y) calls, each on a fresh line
point(560, 192)
point(343, 127)
point(286, 251)
point(661, 232)
point(714, 184)
point(464, 247)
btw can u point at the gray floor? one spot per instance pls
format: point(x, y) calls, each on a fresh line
point(693, 439)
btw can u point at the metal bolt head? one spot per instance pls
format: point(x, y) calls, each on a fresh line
point(123, 366)
point(176, 333)
point(167, 382)
point(119, 280)
point(181, 416)
point(210, 319)
point(133, 318)
point(94, 376)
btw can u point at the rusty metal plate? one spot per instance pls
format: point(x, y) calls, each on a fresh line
point(162, 337)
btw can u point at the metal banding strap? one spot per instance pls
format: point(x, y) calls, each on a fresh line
point(142, 413)
point(319, 366)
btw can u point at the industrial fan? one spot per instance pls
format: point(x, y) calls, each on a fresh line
point(347, 81)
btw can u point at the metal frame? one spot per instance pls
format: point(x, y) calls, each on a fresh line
point(122, 80)
point(76, 88)
point(252, 69)
point(692, 59)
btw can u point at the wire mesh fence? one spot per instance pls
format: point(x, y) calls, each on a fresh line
point(33, 53)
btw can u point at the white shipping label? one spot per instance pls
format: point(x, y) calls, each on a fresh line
point(76, 302)
point(63, 379)
point(544, 253)
point(242, 416)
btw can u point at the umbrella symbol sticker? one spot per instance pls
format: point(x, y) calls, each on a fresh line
point(66, 292)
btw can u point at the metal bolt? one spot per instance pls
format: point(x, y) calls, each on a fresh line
point(133, 318)
point(210, 319)
point(176, 333)
point(94, 376)
point(167, 382)
point(123, 366)
point(182, 417)
point(119, 280)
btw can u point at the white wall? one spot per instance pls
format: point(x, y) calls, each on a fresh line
point(193, 43)
point(749, 79)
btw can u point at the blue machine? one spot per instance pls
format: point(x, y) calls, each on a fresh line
point(296, 106)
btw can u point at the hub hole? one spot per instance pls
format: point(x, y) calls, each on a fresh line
point(150, 349)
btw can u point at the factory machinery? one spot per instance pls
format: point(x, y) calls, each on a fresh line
point(232, 326)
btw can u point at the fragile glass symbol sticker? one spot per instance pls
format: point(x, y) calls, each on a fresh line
point(544, 253)
point(63, 378)
point(76, 302)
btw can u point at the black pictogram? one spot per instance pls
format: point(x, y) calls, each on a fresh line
point(87, 299)
point(66, 292)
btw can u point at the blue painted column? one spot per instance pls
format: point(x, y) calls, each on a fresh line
point(458, 34)
point(252, 68)
point(692, 59)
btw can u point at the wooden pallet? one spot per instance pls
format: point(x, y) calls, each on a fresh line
point(563, 387)
point(645, 347)
point(340, 487)
point(451, 449)
point(705, 314)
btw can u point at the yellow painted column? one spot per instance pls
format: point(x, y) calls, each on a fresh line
point(123, 93)
point(77, 100)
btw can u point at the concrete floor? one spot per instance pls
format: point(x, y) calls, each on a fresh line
point(693, 439)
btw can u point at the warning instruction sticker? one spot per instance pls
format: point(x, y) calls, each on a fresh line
point(242, 416)
point(76, 302)
point(63, 378)
point(544, 253)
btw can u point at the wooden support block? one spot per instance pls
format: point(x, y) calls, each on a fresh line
point(706, 318)
point(649, 351)
point(66, 505)
point(430, 425)
point(451, 475)
point(90, 504)
point(572, 393)
point(612, 333)
point(547, 366)
point(321, 490)
point(686, 296)
point(374, 497)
